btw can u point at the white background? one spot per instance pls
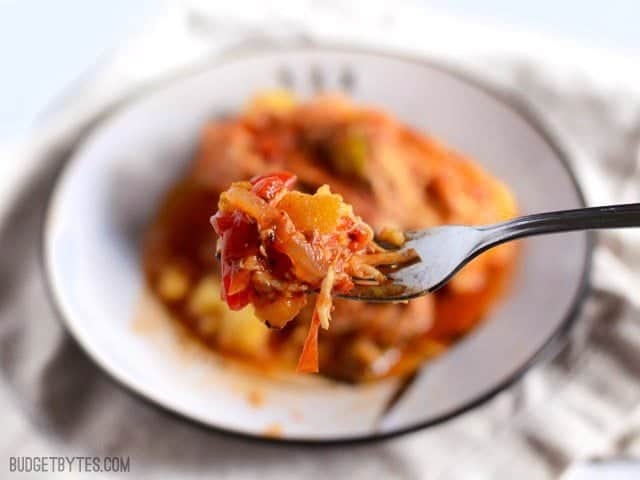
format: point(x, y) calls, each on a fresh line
point(47, 45)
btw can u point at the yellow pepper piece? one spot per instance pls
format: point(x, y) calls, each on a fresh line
point(318, 212)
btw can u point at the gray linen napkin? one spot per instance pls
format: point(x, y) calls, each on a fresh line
point(583, 404)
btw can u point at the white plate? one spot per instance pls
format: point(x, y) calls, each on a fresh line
point(109, 189)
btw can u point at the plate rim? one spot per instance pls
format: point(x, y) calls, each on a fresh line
point(509, 99)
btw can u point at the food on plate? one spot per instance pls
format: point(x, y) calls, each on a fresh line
point(396, 179)
point(278, 246)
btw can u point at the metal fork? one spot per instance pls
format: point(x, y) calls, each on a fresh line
point(444, 250)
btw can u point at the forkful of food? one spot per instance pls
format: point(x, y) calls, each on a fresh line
point(278, 246)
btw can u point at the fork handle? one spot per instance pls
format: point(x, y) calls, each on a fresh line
point(613, 216)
